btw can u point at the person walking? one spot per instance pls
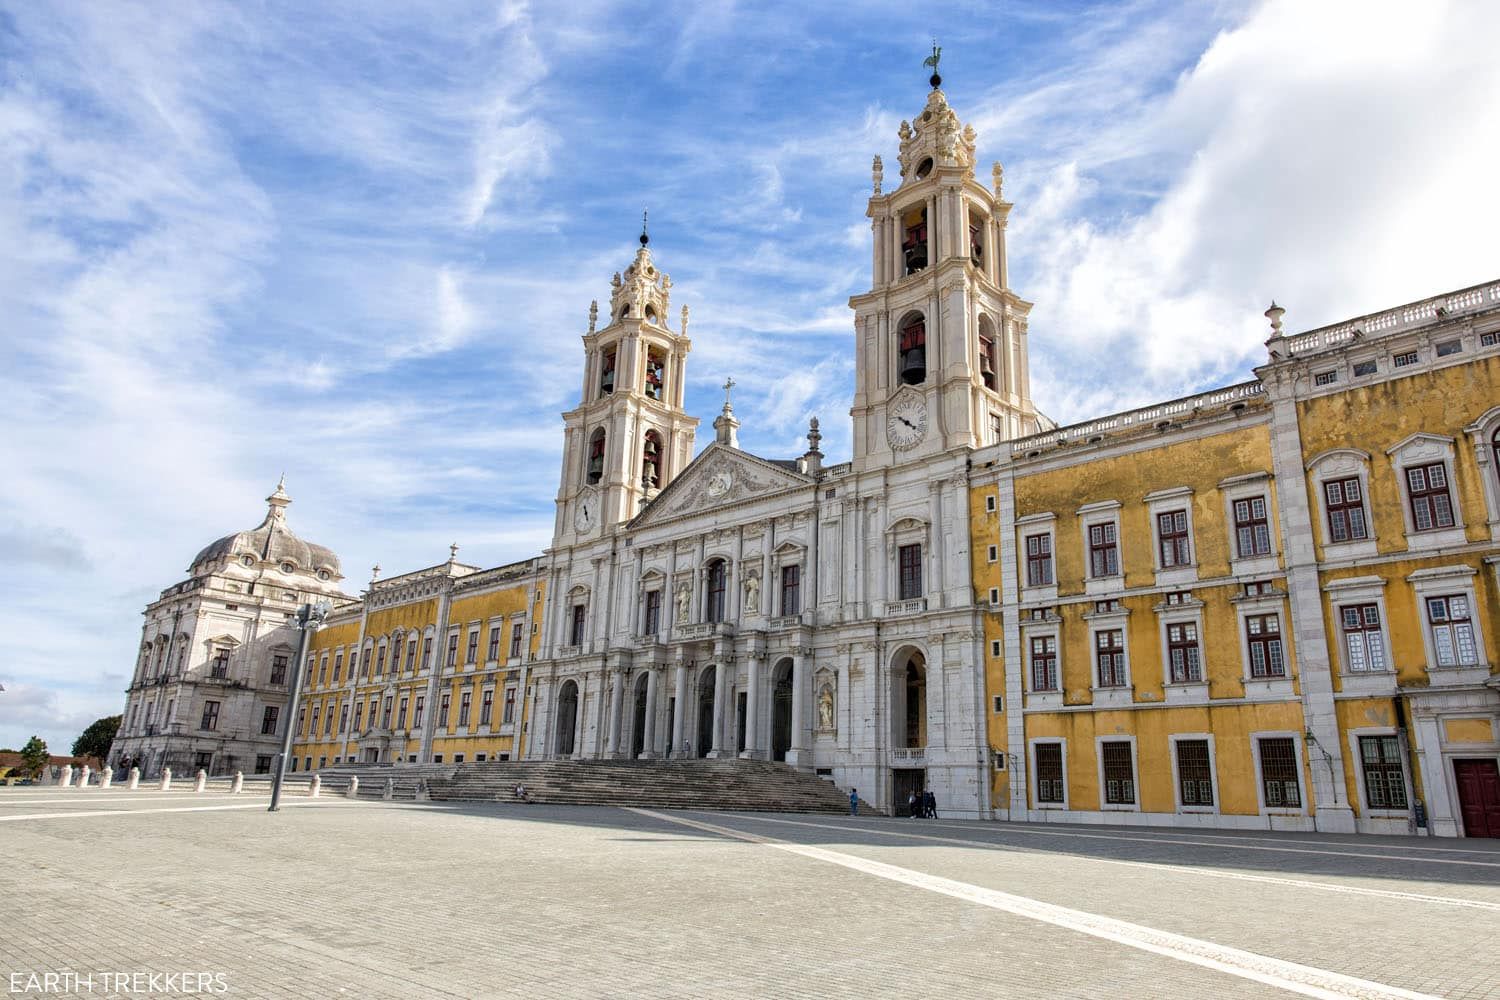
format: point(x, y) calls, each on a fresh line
point(929, 804)
point(853, 802)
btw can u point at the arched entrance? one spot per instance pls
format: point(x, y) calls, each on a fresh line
point(909, 700)
point(567, 718)
point(638, 719)
point(705, 711)
point(781, 709)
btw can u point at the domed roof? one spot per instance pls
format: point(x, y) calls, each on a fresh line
point(273, 541)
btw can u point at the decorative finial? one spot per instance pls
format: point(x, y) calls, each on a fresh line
point(593, 314)
point(997, 176)
point(453, 552)
point(281, 483)
point(645, 236)
point(878, 170)
point(814, 436)
point(1274, 314)
point(375, 572)
point(684, 320)
point(729, 383)
point(932, 60)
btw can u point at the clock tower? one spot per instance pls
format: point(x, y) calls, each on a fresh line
point(629, 435)
point(940, 339)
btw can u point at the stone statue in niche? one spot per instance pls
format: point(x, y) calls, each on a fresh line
point(752, 594)
point(825, 708)
point(684, 597)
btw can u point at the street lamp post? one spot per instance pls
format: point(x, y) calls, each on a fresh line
point(309, 618)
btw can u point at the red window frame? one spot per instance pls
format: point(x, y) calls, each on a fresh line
point(487, 706)
point(1104, 549)
point(791, 590)
point(1263, 639)
point(1428, 498)
point(453, 650)
point(1039, 560)
point(1252, 527)
point(1044, 663)
point(472, 650)
point(508, 712)
point(1049, 773)
point(465, 700)
point(1172, 539)
point(909, 562)
point(493, 649)
point(653, 612)
point(416, 711)
point(1452, 628)
point(1184, 655)
point(1109, 657)
point(718, 577)
point(1364, 643)
point(580, 612)
point(1344, 501)
point(517, 632)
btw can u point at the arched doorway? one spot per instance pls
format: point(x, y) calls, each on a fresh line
point(909, 701)
point(781, 710)
point(638, 718)
point(705, 711)
point(567, 718)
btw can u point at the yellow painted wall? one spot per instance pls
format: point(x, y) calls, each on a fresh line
point(984, 531)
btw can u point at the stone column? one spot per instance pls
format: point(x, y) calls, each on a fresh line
point(648, 744)
point(752, 707)
point(680, 713)
point(616, 716)
point(721, 698)
point(1441, 819)
point(800, 754)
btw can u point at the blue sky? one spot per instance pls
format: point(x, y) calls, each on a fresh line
point(357, 243)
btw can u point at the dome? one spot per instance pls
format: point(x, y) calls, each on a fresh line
point(272, 541)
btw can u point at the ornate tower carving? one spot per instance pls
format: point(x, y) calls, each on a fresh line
point(940, 339)
point(629, 435)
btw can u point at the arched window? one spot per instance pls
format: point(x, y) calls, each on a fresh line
point(1495, 447)
point(607, 371)
point(976, 236)
point(651, 461)
point(989, 368)
point(914, 239)
point(651, 314)
point(596, 456)
point(714, 606)
point(912, 357)
point(655, 380)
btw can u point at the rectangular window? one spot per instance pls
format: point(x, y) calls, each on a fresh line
point(473, 650)
point(220, 665)
point(1325, 378)
point(359, 716)
point(453, 650)
point(416, 711)
point(518, 630)
point(992, 553)
point(1119, 775)
point(1452, 631)
point(338, 666)
point(909, 558)
point(411, 655)
point(401, 713)
point(427, 652)
point(487, 706)
point(1195, 776)
point(374, 707)
point(1448, 347)
point(508, 713)
point(202, 761)
point(1385, 782)
point(1427, 492)
point(1364, 368)
point(385, 715)
point(653, 615)
point(1278, 773)
point(458, 758)
point(443, 704)
point(1104, 550)
point(343, 719)
point(494, 646)
point(1044, 663)
point(268, 720)
point(322, 670)
point(1364, 646)
point(1172, 537)
point(1263, 635)
point(380, 662)
point(1049, 773)
point(1252, 531)
point(1345, 502)
point(1489, 339)
point(396, 654)
point(463, 707)
point(210, 715)
point(328, 722)
point(278, 668)
point(1109, 654)
point(263, 763)
point(1038, 560)
point(1402, 360)
point(989, 503)
point(1183, 653)
point(791, 590)
point(575, 635)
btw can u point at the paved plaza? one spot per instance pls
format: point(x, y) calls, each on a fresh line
point(368, 899)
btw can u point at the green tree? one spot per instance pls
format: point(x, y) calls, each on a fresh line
point(96, 739)
point(34, 757)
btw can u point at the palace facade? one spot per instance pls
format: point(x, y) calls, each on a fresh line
point(1271, 605)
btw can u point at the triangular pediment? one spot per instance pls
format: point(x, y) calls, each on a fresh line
point(719, 477)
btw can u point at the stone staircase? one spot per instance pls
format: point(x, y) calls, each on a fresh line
point(408, 781)
point(733, 784)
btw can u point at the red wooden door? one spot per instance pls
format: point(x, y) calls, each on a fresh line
point(1478, 796)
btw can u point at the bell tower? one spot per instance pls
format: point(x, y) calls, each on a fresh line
point(629, 435)
point(940, 339)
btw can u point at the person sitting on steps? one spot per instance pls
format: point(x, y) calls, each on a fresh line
point(521, 794)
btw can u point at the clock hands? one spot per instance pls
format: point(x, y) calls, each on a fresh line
point(906, 422)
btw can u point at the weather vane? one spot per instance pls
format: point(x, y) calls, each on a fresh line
point(645, 238)
point(729, 383)
point(932, 60)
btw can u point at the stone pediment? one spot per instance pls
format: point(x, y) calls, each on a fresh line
point(719, 477)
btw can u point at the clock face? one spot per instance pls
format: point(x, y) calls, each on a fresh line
point(906, 422)
point(588, 513)
point(719, 483)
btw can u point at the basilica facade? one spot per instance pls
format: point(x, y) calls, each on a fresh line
point(1269, 605)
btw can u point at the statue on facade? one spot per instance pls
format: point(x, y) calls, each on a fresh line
point(825, 708)
point(684, 597)
point(752, 594)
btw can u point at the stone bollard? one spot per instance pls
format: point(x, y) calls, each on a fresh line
point(315, 786)
point(106, 777)
point(135, 778)
point(83, 775)
point(166, 779)
point(390, 789)
point(202, 781)
point(238, 785)
point(66, 781)
point(353, 791)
